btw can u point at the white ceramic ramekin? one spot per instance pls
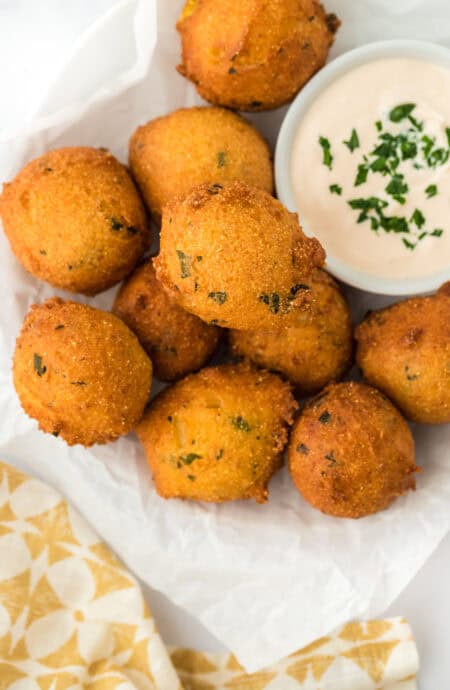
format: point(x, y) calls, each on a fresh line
point(367, 53)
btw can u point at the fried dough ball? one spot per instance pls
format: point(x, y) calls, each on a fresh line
point(404, 351)
point(218, 435)
point(253, 55)
point(312, 354)
point(177, 342)
point(351, 452)
point(74, 218)
point(80, 372)
point(234, 256)
point(171, 155)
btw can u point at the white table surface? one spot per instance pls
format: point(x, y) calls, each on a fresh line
point(37, 35)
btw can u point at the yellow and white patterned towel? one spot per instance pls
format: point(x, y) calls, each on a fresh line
point(73, 618)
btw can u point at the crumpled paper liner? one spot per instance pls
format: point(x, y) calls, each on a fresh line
point(267, 579)
point(72, 617)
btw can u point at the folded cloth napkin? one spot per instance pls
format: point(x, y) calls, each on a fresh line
point(73, 618)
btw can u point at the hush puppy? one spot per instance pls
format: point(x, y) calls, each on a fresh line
point(171, 155)
point(80, 372)
point(404, 351)
point(235, 257)
point(218, 435)
point(351, 452)
point(74, 218)
point(253, 55)
point(312, 354)
point(177, 342)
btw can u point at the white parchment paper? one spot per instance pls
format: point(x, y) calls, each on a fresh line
point(264, 579)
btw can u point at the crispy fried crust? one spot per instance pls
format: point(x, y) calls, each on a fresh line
point(177, 342)
point(80, 372)
point(405, 351)
point(351, 452)
point(218, 435)
point(251, 55)
point(171, 155)
point(312, 354)
point(74, 218)
point(234, 256)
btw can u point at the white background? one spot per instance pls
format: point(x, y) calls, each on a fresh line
point(35, 38)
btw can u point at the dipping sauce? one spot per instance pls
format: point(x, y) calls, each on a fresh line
point(370, 168)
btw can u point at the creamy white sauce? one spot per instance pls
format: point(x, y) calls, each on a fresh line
point(357, 100)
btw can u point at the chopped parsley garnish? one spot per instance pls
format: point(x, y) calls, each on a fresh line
point(185, 264)
point(240, 423)
point(39, 368)
point(219, 297)
point(395, 156)
point(361, 177)
point(325, 417)
point(418, 218)
point(401, 112)
point(326, 150)
point(353, 142)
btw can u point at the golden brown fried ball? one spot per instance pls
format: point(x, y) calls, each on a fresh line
point(218, 435)
point(177, 342)
point(80, 372)
point(171, 155)
point(234, 256)
point(351, 452)
point(312, 354)
point(404, 351)
point(253, 55)
point(74, 218)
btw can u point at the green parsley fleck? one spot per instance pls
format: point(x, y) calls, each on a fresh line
point(240, 423)
point(361, 177)
point(189, 458)
point(326, 149)
point(408, 244)
point(221, 159)
point(116, 224)
point(185, 264)
point(39, 368)
point(418, 218)
point(379, 125)
point(353, 142)
point(325, 417)
point(335, 189)
point(219, 297)
point(272, 300)
point(431, 191)
point(191, 477)
point(401, 112)
point(437, 232)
